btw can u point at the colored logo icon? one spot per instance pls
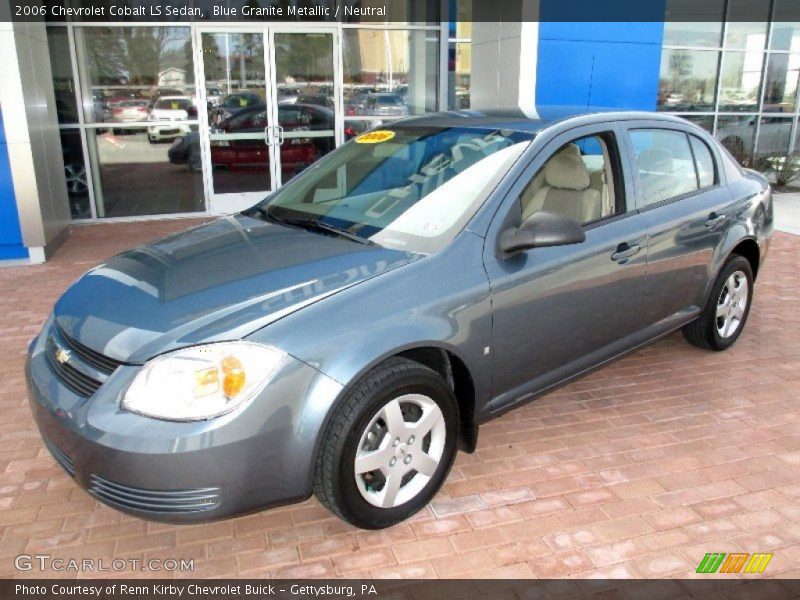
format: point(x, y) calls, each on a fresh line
point(741, 562)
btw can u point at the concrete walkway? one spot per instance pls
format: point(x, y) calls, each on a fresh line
point(787, 212)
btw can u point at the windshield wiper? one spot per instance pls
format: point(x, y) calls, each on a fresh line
point(315, 225)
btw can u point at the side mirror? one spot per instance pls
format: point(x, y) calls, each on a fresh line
point(541, 229)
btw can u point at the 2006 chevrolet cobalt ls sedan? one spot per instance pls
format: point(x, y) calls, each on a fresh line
point(346, 335)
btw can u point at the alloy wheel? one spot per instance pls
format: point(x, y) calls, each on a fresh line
point(76, 179)
point(731, 304)
point(400, 450)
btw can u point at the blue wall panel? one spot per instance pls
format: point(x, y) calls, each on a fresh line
point(603, 64)
point(10, 233)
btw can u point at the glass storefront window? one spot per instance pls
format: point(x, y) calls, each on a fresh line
point(390, 73)
point(785, 36)
point(688, 80)
point(304, 61)
point(235, 79)
point(786, 26)
point(692, 34)
point(135, 114)
point(738, 135)
point(692, 23)
point(127, 69)
point(781, 83)
point(75, 174)
point(796, 148)
point(774, 137)
point(741, 81)
point(63, 82)
point(134, 177)
point(704, 121)
point(747, 25)
point(459, 66)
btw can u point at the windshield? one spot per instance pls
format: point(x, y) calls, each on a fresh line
point(408, 188)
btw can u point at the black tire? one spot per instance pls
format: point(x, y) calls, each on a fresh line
point(703, 332)
point(193, 163)
point(335, 480)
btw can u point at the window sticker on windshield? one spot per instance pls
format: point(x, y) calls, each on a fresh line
point(175, 106)
point(242, 101)
point(375, 137)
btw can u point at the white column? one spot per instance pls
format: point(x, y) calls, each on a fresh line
point(504, 56)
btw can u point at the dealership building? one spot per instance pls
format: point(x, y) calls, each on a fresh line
point(139, 119)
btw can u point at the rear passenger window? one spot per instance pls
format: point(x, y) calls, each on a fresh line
point(580, 181)
point(665, 163)
point(705, 162)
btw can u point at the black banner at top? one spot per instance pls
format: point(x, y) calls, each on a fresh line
point(418, 12)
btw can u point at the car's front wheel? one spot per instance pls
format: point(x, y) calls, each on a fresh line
point(389, 447)
point(723, 318)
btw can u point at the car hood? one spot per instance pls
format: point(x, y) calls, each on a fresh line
point(219, 281)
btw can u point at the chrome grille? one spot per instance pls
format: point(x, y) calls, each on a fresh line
point(77, 381)
point(160, 501)
point(99, 361)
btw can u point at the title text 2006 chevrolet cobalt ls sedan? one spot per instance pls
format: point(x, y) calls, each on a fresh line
point(347, 334)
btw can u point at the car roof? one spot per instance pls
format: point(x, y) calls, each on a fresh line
point(173, 98)
point(515, 119)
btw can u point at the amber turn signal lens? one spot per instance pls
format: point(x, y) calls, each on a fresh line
point(233, 378)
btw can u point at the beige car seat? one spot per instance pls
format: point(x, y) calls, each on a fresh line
point(538, 181)
point(566, 190)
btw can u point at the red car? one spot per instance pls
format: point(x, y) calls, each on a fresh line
point(253, 154)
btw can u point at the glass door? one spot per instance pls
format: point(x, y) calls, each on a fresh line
point(306, 101)
point(271, 109)
point(237, 130)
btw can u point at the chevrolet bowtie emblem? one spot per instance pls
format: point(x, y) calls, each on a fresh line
point(62, 354)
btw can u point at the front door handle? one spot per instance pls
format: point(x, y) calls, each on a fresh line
point(715, 219)
point(625, 251)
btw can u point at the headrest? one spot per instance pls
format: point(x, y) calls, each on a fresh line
point(566, 171)
point(657, 160)
point(571, 149)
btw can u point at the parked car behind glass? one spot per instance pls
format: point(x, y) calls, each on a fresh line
point(385, 105)
point(168, 117)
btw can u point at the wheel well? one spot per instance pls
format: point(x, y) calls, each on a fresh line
point(457, 375)
point(749, 250)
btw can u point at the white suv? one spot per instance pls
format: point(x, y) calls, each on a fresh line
point(169, 116)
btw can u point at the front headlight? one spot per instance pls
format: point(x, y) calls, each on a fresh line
point(202, 382)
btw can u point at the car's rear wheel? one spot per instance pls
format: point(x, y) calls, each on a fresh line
point(389, 447)
point(726, 311)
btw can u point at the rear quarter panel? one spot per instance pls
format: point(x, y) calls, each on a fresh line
point(751, 218)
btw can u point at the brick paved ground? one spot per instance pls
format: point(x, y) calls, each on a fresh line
point(636, 470)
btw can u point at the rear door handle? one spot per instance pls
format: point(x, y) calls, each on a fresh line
point(625, 251)
point(715, 219)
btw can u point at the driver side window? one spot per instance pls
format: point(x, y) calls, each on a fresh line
point(580, 181)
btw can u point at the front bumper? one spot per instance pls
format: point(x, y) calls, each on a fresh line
point(166, 130)
point(259, 456)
